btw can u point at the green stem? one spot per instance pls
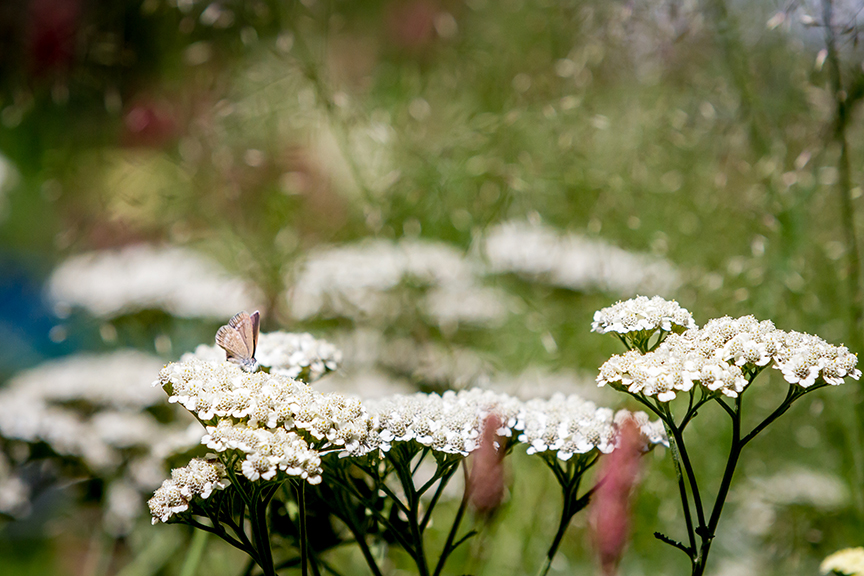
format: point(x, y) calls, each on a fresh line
point(260, 533)
point(304, 544)
point(682, 491)
point(734, 454)
point(448, 545)
point(792, 394)
point(413, 523)
point(360, 538)
point(346, 484)
point(688, 469)
point(195, 553)
point(443, 481)
point(571, 505)
point(563, 524)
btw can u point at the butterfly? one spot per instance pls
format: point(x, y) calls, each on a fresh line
point(239, 339)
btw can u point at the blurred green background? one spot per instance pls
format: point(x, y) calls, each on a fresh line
point(722, 140)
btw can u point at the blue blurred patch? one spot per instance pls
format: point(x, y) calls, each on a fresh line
point(26, 321)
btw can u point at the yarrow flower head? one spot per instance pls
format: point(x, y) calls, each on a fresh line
point(723, 356)
point(451, 422)
point(643, 314)
point(198, 479)
point(568, 425)
point(299, 356)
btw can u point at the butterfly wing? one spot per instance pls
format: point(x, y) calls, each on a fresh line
point(256, 325)
point(232, 342)
point(242, 323)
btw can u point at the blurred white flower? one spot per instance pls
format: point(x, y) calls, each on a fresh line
point(449, 306)
point(92, 407)
point(849, 561)
point(573, 261)
point(357, 282)
point(118, 380)
point(802, 487)
point(122, 506)
point(14, 492)
point(366, 384)
point(433, 363)
point(178, 280)
point(537, 382)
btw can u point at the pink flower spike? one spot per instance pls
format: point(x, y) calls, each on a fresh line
point(610, 505)
point(485, 488)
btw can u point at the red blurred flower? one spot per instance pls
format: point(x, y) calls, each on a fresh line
point(610, 505)
point(412, 24)
point(149, 123)
point(52, 27)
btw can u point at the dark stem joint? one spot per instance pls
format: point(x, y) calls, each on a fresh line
point(663, 538)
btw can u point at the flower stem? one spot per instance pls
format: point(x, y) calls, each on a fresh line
point(448, 545)
point(304, 537)
point(195, 553)
point(688, 469)
point(682, 490)
point(571, 505)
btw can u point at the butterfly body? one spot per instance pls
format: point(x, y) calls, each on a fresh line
point(239, 339)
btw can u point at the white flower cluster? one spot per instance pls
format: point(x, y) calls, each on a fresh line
point(569, 425)
point(717, 355)
point(642, 314)
point(451, 422)
point(199, 478)
point(802, 358)
point(92, 408)
point(251, 408)
point(573, 261)
point(281, 425)
point(267, 451)
point(299, 356)
point(177, 280)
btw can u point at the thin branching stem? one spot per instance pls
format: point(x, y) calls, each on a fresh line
point(351, 489)
point(682, 491)
point(792, 394)
point(688, 469)
point(443, 481)
point(454, 528)
point(413, 506)
point(304, 537)
point(572, 503)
